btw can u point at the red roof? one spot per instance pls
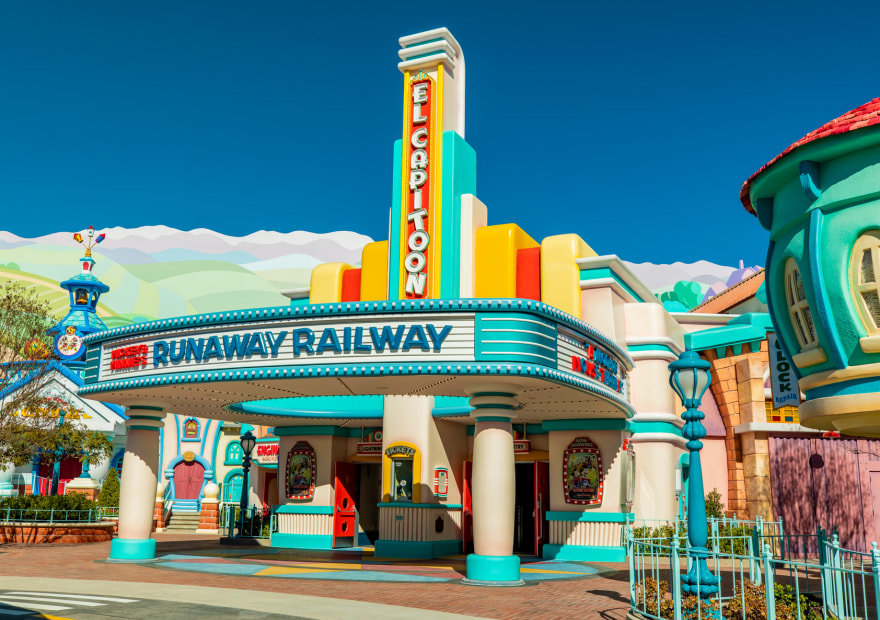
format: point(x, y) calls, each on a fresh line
point(863, 116)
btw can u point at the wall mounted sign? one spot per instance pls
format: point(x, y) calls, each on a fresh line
point(441, 481)
point(522, 446)
point(267, 453)
point(432, 338)
point(782, 378)
point(400, 451)
point(419, 215)
point(369, 448)
point(582, 473)
point(301, 471)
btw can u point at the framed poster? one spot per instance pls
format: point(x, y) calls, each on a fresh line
point(582, 473)
point(301, 471)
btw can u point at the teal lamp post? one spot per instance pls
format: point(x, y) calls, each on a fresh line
point(247, 441)
point(689, 377)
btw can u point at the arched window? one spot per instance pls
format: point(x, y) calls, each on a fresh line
point(864, 271)
point(190, 429)
point(233, 453)
point(798, 308)
point(232, 487)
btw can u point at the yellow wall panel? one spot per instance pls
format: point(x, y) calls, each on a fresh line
point(560, 275)
point(326, 283)
point(374, 271)
point(496, 259)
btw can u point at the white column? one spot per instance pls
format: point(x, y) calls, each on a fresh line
point(137, 489)
point(494, 485)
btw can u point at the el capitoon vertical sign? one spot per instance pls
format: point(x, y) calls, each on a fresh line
point(421, 186)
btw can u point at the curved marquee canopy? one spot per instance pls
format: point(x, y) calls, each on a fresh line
point(216, 365)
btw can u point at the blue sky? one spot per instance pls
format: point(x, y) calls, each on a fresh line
point(632, 124)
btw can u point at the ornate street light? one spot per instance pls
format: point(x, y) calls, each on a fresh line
point(248, 441)
point(689, 377)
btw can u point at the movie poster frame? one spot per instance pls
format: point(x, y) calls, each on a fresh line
point(583, 445)
point(301, 448)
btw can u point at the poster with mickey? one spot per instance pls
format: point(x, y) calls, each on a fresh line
point(583, 481)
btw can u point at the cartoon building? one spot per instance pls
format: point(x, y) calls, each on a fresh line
point(819, 201)
point(60, 381)
point(466, 387)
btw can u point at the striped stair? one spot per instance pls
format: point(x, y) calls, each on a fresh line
point(182, 521)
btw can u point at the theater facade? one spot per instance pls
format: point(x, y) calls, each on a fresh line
point(465, 388)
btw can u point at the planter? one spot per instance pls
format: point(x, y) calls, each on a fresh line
point(65, 533)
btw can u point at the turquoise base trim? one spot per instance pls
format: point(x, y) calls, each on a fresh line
point(590, 517)
point(363, 540)
point(302, 541)
point(132, 549)
point(416, 550)
point(492, 567)
point(584, 553)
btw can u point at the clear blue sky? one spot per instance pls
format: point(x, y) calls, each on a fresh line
point(633, 124)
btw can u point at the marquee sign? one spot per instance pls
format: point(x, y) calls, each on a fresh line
point(420, 191)
point(590, 360)
point(433, 338)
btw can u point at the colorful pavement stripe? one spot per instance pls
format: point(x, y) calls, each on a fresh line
point(355, 565)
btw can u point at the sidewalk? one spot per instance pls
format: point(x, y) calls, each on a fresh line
point(198, 570)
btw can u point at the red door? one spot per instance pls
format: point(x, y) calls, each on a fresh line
point(542, 498)
point(467, 511)
point(345, 515)
point(188, 479)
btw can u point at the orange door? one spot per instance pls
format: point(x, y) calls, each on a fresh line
point(542, 498)
point(467, 513)
point(345, 514)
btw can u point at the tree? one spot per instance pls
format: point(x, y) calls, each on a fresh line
point(29, 415)
point(109, 495)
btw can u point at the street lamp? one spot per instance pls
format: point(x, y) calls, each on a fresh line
point(689, 377)
point(248, 441)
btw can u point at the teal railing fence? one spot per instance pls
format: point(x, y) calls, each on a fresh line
point(762, 573)
point(253, 524)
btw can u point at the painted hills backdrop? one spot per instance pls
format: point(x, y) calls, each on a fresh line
point(157, 271)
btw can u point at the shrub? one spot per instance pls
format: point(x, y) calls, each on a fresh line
point(751, 604)
point(109, 495)
point(42, 507)
point(714, 506)
point(655, 597)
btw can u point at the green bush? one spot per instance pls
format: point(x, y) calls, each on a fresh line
point(109, 495)
point(714, 506)
point(43, 507)
point(751, 604)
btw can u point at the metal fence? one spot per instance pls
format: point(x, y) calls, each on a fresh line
point(758, 576)
point(55, 515)
point(254, 523)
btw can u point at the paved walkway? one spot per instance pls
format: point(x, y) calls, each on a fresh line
point(197, 572)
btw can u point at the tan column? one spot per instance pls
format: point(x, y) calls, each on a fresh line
point(494, 485)
point(755, 446)
point(137, 489)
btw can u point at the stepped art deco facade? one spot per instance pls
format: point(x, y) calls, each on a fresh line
point(466, 388)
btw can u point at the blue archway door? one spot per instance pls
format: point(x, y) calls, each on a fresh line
point(188, 480)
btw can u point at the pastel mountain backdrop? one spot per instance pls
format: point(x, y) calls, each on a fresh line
point(158, 271)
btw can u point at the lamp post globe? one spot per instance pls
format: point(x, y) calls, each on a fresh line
point(689, 377)
point(247, 441)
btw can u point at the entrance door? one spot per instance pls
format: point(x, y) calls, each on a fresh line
point(345, 513)
point(542, 500)
point(188, 479)
point(270, 489)
point(467, 510)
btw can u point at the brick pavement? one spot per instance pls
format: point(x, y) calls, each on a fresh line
point(603, 597)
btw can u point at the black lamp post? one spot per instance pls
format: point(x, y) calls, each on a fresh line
point(689, 378)
point(248, 441)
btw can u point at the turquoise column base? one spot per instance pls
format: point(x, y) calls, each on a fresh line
point(493, 570)
point(132, 549)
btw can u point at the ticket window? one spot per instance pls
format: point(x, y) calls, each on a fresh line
point(402, 480)
point(401, 467)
